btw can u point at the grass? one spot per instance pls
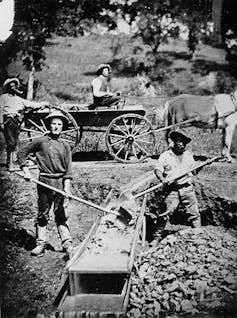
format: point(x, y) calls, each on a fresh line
point(71, 64)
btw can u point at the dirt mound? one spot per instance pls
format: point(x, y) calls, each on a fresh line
point(190, 272)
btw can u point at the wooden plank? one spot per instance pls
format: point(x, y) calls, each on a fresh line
point(83, 246)
point(137, 234)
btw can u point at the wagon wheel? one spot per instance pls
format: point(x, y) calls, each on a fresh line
point(130, 138)
point(34, 127)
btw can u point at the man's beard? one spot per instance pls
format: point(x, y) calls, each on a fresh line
point(178, 150)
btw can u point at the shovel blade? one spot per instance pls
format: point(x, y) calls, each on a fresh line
point(124, 216)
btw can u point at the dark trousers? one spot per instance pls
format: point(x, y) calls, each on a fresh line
point(105, 101)
point(47, 198)
point(12, 128)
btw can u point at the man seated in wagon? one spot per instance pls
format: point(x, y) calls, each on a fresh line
point(102, 95)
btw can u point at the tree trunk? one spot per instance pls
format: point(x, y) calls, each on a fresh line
point(30, 88)
point(216, 18)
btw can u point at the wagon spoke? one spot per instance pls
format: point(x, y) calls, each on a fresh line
point(137, 131)
point(141, 148)
point(126, 155)
point(68, 140)
point(37, 126)
point(145, 141)
point(32, 130)
point(43, 124)
point(120, 129)
point(69, 130)
point(134, 151)
point(118, 152)
point(117, 136)
point(117, 142)
point(145, 134)
point(134, 125)
point(125, 124)
point(68, 135)
point(30, 138)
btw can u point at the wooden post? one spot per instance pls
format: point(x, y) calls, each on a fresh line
point(30, 88)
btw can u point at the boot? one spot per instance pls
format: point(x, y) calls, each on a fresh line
point(195, 223)
point(11, 158)
point(66, 239)
point(40, 241)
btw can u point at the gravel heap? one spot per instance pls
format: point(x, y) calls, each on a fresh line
point(189, 272)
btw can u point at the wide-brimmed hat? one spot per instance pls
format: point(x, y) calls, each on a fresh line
point(56, 114)
point(101, 67)
point(10, 80)
point(179, 134)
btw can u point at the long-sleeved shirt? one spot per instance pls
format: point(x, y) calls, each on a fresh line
point(171, 165)
point(53, 156)
point(15, 105)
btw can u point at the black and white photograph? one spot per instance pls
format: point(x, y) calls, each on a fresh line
point(118, 159)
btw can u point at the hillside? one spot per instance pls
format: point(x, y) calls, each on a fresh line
point(71, 63)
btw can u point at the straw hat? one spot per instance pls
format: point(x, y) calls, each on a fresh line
point(10, 80)
point(56, 114)
point(179, 134)
point(101, 67)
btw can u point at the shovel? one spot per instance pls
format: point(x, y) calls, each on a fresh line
point(128, 195)
point(122, 215)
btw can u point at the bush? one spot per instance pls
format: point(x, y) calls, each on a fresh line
point(225, 83)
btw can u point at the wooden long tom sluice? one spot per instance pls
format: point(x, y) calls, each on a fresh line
point(100, 271)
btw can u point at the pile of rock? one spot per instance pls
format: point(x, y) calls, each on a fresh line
point(191, 271)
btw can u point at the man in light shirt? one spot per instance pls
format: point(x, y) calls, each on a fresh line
point(102, 96)
point(169, 165)
point(12, 109)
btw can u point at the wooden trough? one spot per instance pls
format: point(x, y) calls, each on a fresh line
point(99, 274)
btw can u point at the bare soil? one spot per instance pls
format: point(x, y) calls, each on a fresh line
point(29, 285)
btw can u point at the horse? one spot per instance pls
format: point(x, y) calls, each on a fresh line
point(215, 112)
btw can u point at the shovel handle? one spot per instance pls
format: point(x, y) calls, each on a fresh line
point(71, 196)
point(159, 185)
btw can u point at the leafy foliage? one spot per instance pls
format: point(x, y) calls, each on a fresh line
point(157, 21)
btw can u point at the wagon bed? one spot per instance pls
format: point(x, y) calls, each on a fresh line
point(129, 135)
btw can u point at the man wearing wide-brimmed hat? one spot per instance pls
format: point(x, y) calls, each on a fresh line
point(169, 165)
point(54, 159)
point(12, 108)
point(102, 95)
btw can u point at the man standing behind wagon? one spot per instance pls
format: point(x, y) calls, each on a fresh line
point(102, 96)
point(12, 108)
point(53, 156)
point(172, 163)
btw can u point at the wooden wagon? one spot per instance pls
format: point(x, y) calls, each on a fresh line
point(129, 135)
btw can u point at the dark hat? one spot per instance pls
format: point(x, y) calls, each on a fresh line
point(10, 80)
point(101, 67)
point(180, 134)
point(56, 114)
